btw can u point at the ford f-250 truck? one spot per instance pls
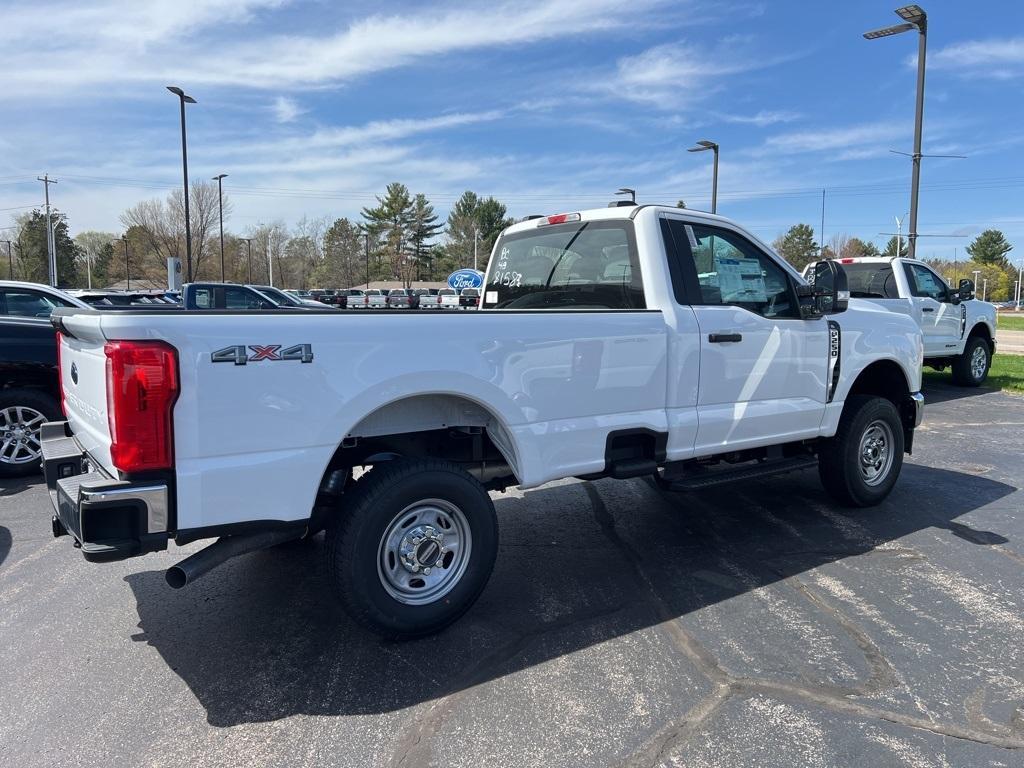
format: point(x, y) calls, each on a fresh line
point(621, 342)
point(959, 330)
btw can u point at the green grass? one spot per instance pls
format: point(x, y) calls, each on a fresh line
point(1010, 322)
point(1007, 373)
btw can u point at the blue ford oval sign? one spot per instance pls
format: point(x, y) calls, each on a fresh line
point(465, 278)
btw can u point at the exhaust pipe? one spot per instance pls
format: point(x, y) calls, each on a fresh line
point(226, 547)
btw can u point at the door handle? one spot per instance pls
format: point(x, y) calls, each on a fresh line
point(718, 338)
point(927, 309)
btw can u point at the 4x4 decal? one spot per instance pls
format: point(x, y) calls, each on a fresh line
point(240, 354)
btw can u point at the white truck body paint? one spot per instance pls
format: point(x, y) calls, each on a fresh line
point(252, 442)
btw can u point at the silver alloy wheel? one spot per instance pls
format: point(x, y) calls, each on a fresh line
point(979, 360)
point(19, 434)
point(876, 452)
point(424, 552)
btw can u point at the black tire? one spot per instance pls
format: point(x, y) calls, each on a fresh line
point(963, 368)
point(357, 555)
point(38, 402)
point(839, 460)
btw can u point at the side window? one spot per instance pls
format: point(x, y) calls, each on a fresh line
point(925, 283)
point(732, 271)
point(204, 298)
point(23, 303)
point(240, 298)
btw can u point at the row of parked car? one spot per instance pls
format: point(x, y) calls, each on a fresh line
point(396, 298)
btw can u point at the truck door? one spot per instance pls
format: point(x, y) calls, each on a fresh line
point(763, 369)
point(934, 311)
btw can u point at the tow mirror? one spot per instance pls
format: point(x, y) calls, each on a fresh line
point(966, 290)
point(830, 290)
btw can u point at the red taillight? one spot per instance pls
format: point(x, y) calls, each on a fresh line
point(846, 261)
point(142, 385)
point(60, 375)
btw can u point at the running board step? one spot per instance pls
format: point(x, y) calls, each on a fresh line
point(700, 480)
point(624, 468)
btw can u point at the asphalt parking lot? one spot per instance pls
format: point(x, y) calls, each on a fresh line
point(754, 625)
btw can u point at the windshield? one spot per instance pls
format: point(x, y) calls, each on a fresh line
point(280, 296)
point(871, 280)
point(589, 265)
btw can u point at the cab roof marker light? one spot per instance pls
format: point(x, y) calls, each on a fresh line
point(558, 218)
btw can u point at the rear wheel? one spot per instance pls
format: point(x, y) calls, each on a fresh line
point(971, 368)
point(860, 465)
point(413, 547)
point(22, 413)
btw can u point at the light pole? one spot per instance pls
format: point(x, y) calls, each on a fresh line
point(248, 243)
point(976, 273)
point(984, 289)
point(1020, 277)
point(703, 146)
point(914, 17)
point(476, 241)
point(185, 99)
point(220, 205)
point(366, 237)
point(127, 268)
point(10, 260)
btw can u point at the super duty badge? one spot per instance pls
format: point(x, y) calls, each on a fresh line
point(254, 353)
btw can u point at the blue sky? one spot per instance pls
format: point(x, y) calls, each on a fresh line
point(312, 107)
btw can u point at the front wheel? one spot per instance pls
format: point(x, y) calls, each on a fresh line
point(860, 465)
point(971, 368)
point(413, 547)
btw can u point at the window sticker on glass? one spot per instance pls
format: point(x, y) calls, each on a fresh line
point(741, 280)
point(491, 297)
point(693, 237)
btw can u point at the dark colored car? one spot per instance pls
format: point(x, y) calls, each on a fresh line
point(400, 298)
point(469, 297)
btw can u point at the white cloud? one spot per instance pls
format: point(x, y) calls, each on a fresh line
point(998, 58)
point(286, 110)
point(668, 74)
point(95, 45)
point(763, 118)
point(874, 136)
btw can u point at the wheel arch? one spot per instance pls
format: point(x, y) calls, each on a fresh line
point(981, 329)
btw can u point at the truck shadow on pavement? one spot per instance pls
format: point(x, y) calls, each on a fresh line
point(580, 563)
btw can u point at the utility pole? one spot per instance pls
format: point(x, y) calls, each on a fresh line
point(270, 261)
point(127, 268)
point(476, 241)
point(366, 237)
point(51, 254)
point(220, 204)
point(248, 243)
point(10, 260)
point(821, 234)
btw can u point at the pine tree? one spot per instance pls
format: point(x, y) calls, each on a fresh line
point(470, 218)
point(990, 247)
point(32, 249)
point(390, 221)
point(890, 247)
point(424, 226)
point(797, 246)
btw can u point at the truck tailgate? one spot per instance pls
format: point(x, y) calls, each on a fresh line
point(83, 380)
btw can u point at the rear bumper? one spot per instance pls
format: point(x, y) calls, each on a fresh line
point(108, 519)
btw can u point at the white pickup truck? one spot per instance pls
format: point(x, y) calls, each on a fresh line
point(959, 330)
point(619, 342)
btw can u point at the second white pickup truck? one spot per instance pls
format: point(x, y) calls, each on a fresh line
point(959, 330)
point(619, 342)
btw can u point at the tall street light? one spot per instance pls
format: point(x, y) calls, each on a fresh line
point(248, 243)
point(913, 17)
point(185, 99)
point(703, 146)
point(220, 204)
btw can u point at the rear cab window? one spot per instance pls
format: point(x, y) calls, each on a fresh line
point(871, 280)
point(580, 265)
